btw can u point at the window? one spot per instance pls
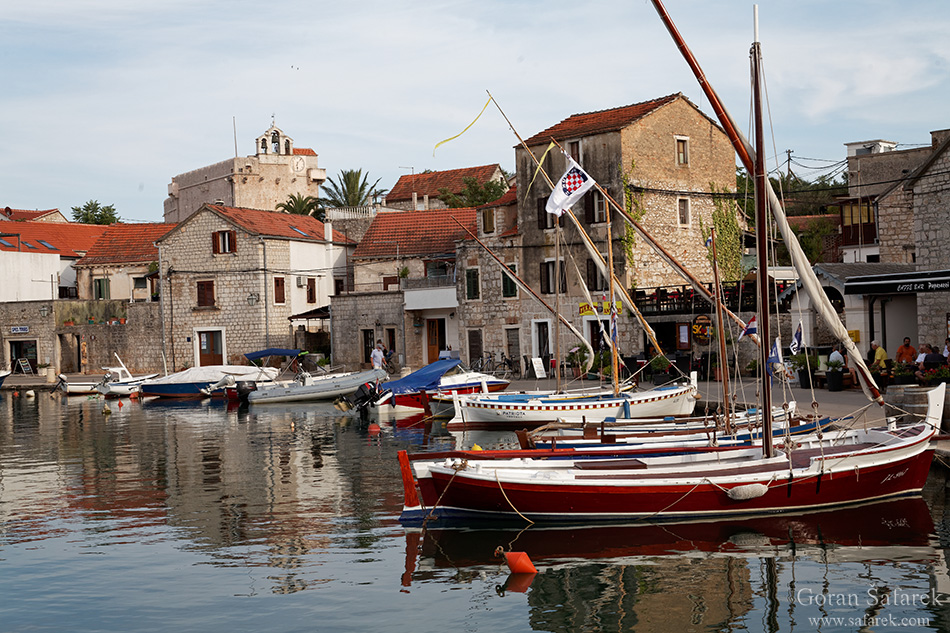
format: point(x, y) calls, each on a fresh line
point(224, 242)
point(574, 149)
point(683, 211)
point(488, 220)
point(595, 206)
point(27, 244)
point(139, 283)
point(339, 285)
point(311, 289)
point(546, 220)
point(548, 279)
point(437, 269)
point(391, 281)
point(472, 288)
point(475, 347)
point(279, 296)
point(206, 294)
point(100, 288)
point(508, 287)
point(595, 280)
point(47, 245)
point(682, 151)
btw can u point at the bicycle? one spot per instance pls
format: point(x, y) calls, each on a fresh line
point(388, 363)
point(509, 368)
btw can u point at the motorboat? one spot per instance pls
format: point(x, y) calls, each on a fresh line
point(412, 393)
point(204, 381)
point(307, 387)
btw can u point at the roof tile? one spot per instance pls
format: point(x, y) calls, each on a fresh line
point(70, 239)
point(277, 223)
point(428, 184)
point(126, 244)
point(416, 233)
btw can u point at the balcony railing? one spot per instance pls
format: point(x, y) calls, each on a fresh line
point(738, 296)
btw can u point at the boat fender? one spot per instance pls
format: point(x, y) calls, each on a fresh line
point(746, 492)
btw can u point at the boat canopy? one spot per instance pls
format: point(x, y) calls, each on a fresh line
point(273, 351)
point(426, 378)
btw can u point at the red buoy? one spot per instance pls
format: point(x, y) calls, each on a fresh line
point(519, 563)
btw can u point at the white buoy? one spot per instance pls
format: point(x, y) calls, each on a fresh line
point(30, 394)
point(746, 492)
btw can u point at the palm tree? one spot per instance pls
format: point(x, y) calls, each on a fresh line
point(350, 189)
point(299, 204)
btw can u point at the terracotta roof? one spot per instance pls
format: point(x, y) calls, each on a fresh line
point(24, 214)
point(802, 221)
point(126, 244)
point(68, 239)
point(589, 123)
point(276, 223)
point(428, 184)
point(416, 233)
point(509, 197)
point(304, 151)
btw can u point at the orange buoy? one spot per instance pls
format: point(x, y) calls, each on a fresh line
point(373, 429)
point(120, 404)
point(519, 563)
point(519, 582)
point(134, 395)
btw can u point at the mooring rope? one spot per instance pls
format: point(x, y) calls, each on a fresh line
point(509, 500)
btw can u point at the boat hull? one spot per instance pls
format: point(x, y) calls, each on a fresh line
point(468, 499)
point(507, 411)
point(320, 388)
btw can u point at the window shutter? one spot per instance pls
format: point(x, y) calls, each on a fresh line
point(589, 200)
point(545, 286)
point(215, 247)
point(562, 276)
point(542, 220)
point(592, 275)
point(233, 244)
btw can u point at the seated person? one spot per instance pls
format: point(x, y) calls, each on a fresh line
point(836, 355)
point(931, 360)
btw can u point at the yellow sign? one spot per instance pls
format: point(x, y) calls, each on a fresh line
point(603, 308)
point(855, 335)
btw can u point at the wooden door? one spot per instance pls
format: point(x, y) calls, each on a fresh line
point(210, 348)
point(433, 345)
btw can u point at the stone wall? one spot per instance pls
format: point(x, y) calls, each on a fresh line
point(895, 227)
point(932, 230)
point(354, 313)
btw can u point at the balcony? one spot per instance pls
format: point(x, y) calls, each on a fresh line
point(738, 296)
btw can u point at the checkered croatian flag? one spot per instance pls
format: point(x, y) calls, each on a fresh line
point(569, 189)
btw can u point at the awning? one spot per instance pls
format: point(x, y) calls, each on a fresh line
point(317, 313)
point(899, 283)
point(273, 351)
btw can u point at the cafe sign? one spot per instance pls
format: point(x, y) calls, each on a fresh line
point(702, 329)
point(602, 308)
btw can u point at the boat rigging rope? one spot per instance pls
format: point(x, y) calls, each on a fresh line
point(456, 468)
point(509, 500)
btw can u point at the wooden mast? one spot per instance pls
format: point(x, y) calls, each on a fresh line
point(721, 335)
point(614, 352)
point(761, 241)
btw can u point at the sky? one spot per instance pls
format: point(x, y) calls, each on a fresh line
point(107, 100)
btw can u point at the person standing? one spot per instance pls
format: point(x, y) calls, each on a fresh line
point(880, 356)
point(906, 352)
point(377, 357)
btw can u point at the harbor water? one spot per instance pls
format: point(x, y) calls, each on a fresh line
point(188, 516)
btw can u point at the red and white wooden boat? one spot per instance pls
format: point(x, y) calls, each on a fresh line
point(838, 468)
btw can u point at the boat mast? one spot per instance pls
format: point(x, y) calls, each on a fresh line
point(557, 302)
point(614, 360)
point(761, 241)
point(721, 335)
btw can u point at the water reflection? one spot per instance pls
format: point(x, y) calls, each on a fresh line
point(203, 504)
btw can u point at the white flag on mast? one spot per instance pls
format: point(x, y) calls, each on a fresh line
point(569, 189)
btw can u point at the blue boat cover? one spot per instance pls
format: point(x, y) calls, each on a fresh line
point(274, 351)
point(426, 378)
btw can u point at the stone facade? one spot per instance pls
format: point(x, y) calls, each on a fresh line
point(646, 149)
point(243, 314)
point(259, 181)
point(931, 193)
point(895, 227)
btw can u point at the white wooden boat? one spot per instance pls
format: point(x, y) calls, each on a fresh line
point(306, 387)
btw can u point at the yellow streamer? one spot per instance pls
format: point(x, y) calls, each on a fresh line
point(537, 169)
point(463, 131)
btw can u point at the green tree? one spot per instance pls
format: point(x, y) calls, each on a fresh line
point(473, 193)
point(729, 236)
point(94, 213)
point(351, 189)
point(299, 204)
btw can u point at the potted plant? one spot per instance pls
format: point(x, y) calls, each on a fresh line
point(659, 365)
point(804, 364)
point(937, 375)
point(835, 376)
point(714, 364)
point(904, 374)
point(752, 367)
point(577, 359)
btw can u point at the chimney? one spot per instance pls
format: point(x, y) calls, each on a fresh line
point(328, 230)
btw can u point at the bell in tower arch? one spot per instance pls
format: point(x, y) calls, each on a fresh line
point(275, 141)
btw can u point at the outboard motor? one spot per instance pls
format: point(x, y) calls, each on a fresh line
point(244, 388)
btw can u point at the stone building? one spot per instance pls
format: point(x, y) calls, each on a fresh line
point(415, 192)
point(263, 180)
point(404, 288)
point(490, 303)
point(122, 264)
point(19, 215)
point(232, 279)
point(664, 154)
